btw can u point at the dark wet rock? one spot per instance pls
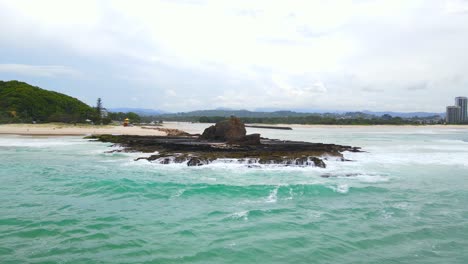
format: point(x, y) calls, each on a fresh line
point(355, 149)
point(166, 161)
point(301, 161)
point(252, 139)
point(194, 161)
point(318, 162)
point(308, 161)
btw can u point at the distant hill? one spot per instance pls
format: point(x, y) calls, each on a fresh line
point(223, 112)
point(367, 112)
point(405, 114)
point(21, 102)
point(238, 113)
point(139, 111)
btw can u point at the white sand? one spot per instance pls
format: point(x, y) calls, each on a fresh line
point(71, 130)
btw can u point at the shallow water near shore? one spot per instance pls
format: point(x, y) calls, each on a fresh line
point(64, 200)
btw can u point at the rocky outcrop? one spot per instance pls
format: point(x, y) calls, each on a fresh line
point(197, 152)
point(227, 130)
point(227, 140)
point(232, 131)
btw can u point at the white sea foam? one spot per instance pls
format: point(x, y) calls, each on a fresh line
point(406, 155)
point(340, 188)
point(240, 215)
point(178, 193)
point(273, 197)
point(39, 142)
point(371, 178)
point(291, 195)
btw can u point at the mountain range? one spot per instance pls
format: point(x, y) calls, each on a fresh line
point(272, 113)
point(140, 111)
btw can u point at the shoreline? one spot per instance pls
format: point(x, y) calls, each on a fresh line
point(57, 129)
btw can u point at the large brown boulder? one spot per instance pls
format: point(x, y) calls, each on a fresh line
point(231, 129)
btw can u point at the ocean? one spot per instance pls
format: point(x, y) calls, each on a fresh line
point(405, 200)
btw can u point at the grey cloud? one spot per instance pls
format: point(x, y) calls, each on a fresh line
point(378, 57)
point(418, 87)
point(372, 89)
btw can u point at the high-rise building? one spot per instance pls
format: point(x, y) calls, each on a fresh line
point(453, 114)
point(462, 102)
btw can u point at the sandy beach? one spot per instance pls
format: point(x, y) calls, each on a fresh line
point(71, 130)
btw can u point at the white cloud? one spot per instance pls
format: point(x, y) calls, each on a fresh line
point(297, 53)
point(456, 6)
point(39, 70)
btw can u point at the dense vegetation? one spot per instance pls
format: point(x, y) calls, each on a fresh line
point(120, 116)
point(291, 117)
point(21, 102)
point(316, 119)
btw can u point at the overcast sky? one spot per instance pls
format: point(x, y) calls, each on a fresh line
point(180, 55)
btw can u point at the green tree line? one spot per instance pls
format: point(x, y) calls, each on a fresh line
point(21, 102)
point(316, 119)
point(24, 103)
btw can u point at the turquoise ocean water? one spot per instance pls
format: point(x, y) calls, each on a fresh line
point(64, 200)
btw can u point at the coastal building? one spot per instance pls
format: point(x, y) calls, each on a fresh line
point(453, 114)
point(462, 102)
